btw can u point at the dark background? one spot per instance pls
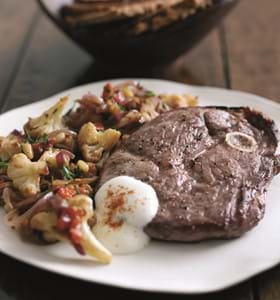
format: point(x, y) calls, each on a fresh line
point(36, 61)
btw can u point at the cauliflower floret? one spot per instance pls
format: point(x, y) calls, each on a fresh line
point(177, 101)
point(88, 241)
point(27, 149)
point(94, 143)
point(57, 158)
point(133, 116)
point(49, 121)
point(26, 174)
point(148, 111)
point(64, 139)
point(9, 146)
point(47, 223)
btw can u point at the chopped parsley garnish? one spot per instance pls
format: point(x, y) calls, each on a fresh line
point(150, 94)
point(45, 138)
point(78, 172)
point(121, 107)
point(67, 174)
point(3, 164)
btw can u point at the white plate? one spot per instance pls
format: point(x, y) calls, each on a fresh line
point(165, 267)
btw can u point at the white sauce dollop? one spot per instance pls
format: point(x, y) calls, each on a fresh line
point(124, 206)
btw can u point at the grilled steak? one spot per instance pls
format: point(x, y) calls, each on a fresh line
point(206, 188)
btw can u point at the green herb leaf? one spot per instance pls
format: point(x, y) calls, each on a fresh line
point(67, 174)
point(3, 164)
point(45, 138)
point(78, 172)
point(150, 94)
point(29, 138)
point(121, 107)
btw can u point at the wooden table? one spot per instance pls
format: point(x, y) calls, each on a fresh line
point(37, 60)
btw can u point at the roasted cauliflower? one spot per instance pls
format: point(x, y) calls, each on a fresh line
point(46, 223)
point(9, 146)
point(134, 116)
point(148, 111)
point(64, 139)
point(176, 101)
point(56, 158)
point(88, 241)
point(93, 143)
point(78, 232)
point(26, 174)
point(49, 121)
point(27, 149)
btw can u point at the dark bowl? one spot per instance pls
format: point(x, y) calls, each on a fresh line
point(147, 50)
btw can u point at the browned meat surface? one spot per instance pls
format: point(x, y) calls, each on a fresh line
point(206, 188)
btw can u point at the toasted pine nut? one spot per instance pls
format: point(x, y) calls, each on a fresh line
point(83, 166)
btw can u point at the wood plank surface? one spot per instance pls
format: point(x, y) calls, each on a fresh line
point(267, 285)
point(16, 23)
point(20, 281)
point(252, 37)
point(51, 64)
point(252, 34)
